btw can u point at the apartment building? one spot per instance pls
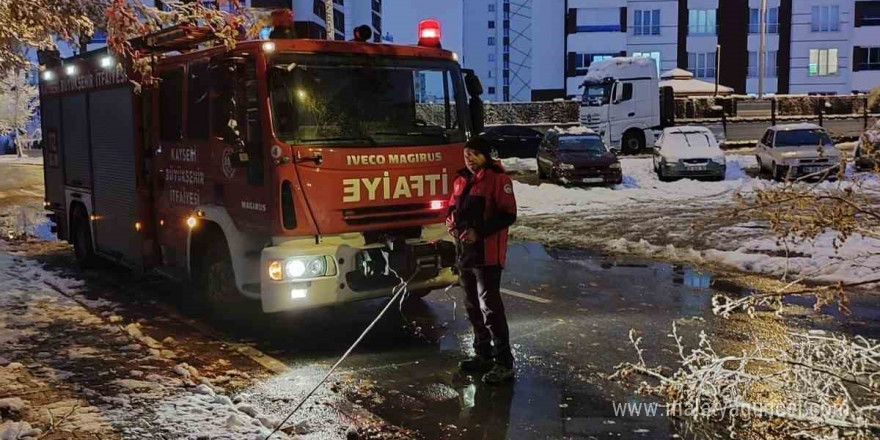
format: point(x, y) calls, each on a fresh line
point(812, 46)
point(498, 45)
point(311, 16)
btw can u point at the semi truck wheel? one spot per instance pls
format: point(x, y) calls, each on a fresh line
point(633, 142)
point(81, 237)
point(216, 291)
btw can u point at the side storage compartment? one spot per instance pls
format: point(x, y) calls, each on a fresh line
point(75, 141)
point(114, 174)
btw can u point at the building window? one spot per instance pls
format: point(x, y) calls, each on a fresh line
point(491, 24)
point(646, 22)
point(702, 22)
point(491, 57)
point(823, 62)
point(772, 21)
point(506, 32)
point(491, 41)
point(769, 67)
point(872, 58)
point(652, 55)
point(702, 64)
point(339, 21)
point(598, 20)
point(320, 9)
point(377, 6)
point(491, 90)
point(825, 18)
point(491, 7)
point(867, 13)
point(582, 61)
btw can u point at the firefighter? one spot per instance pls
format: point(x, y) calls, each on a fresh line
point(481, 209)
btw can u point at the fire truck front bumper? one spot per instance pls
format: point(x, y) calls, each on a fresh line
point(300, 274)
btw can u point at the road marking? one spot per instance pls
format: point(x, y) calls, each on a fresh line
point(534, 298)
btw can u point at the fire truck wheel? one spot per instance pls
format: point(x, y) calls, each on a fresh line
point(216, 281)
point(81, 235)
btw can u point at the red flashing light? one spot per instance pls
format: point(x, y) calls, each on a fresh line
point(437, 205)
point(430, 33)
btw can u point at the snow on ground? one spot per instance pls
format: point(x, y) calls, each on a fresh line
point(156, 400)
point(14, 159)
point(640, 185)
point(661, 220)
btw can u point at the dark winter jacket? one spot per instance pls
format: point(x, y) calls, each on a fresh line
point(485, 203)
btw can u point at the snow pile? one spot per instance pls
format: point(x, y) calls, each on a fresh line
point(19, 431)
point(640, 186)
point(519, 165)
point(857, 260)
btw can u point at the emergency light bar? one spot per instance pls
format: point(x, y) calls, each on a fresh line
point(430, 33)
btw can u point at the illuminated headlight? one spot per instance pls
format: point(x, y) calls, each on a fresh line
point(615, 166)
point(566, 166)
point(305, 267)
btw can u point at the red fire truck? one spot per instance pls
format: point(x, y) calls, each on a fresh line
point(292, 171)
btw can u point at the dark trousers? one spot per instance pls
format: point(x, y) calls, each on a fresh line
point(482, 287)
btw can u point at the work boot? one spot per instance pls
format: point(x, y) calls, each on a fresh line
point(498, 374)
point(476, 364)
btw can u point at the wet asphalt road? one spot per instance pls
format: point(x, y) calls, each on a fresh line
point(564, 348)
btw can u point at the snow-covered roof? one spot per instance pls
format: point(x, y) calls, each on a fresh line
point(622, 68)
point(686, 129)
point(683, 83)
point(799, 126)
point(577, 130)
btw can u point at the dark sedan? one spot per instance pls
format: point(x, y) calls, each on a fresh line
point(577, 157)
point(514, 140)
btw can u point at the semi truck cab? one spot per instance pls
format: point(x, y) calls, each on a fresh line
point(620, 101)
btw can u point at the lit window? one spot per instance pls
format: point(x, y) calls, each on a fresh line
point(823, 62)
point(702, 21)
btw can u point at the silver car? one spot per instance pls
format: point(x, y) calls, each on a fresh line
point(797, 150)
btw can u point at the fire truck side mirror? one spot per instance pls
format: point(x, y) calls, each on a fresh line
point(475, 105)
point(472, 83)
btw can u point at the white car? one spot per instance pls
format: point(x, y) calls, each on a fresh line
point(688, 151)
point(797, 150)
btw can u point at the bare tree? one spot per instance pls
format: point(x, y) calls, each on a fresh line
point(18, 104)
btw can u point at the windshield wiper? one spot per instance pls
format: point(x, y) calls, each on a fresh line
point(368, 139)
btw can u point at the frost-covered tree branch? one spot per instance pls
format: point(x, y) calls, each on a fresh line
point(810, 386)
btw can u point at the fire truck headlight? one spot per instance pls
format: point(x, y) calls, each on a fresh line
point(269, 47)
point(306, 267)
point(275, 273)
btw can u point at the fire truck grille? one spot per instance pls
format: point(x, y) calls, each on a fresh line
point(394, 213)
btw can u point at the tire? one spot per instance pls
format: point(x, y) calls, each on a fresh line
point(778, 174)
point(760, 166)
point(633, 142)
point(216, 292)
point(541, 175)
point(661, 176)
point(81, 238)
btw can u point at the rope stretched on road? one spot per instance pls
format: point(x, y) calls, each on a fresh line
point(402, 287)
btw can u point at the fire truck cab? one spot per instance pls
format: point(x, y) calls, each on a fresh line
point(296, 172)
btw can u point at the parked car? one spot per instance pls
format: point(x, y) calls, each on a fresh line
point(688, 152)
point(867, 154)
point(577, 156)
point(797, 150)
point(514, 140)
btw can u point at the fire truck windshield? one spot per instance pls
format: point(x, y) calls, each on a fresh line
point(353, 100)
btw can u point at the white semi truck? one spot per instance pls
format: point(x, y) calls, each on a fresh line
point(622, 103)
